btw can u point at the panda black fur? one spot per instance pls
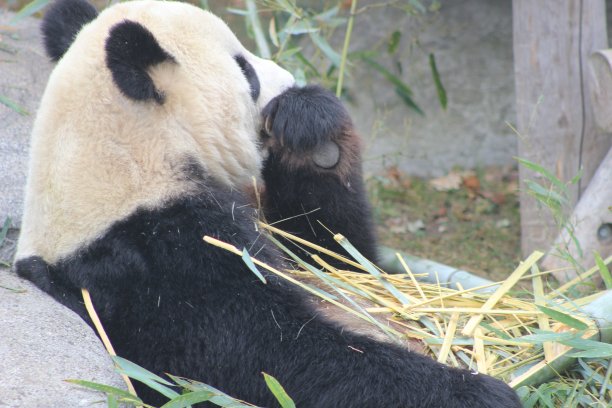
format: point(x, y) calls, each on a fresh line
point(150, 129)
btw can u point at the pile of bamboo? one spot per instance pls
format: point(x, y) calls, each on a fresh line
point(525, 339)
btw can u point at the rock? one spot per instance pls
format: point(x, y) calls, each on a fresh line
point(24, 69)
point(42, 344)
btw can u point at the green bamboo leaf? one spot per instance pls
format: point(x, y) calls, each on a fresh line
point(186, 400)
point(299, 27)
point(289, 6)
point(409, 101)
point(328, 15)
point(325, 48)
point(332, 283)
point(279, 392)
point(218, 397)
point(14, 106)
point(238, 12)
point(586, 344)
point(418, 6)
point(145, 376)
point(578, 176)
point(29, 9)
point(603, 269)
point(307, 63)
point(437, 81)
point(111, 401)
point(544, 172)
point(545, 336)
point(401, 89)
point(249, 262)
point(5, 228)
point(593, 353)
point(563, 318)
point(372, 270)
point(394, 41)
point(546, 194)
point(106, 389)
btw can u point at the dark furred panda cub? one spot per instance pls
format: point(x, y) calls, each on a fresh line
point(150, 129)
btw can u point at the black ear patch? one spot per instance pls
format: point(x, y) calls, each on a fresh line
point(250, 75)
point(130, 50)
point(61, 24)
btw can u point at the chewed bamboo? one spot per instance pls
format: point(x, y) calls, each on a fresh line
point(476, 323)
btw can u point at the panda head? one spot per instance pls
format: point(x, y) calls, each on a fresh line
point(172, 66)
point(140, 91)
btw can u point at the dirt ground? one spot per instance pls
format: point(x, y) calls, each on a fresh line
point(466, 219)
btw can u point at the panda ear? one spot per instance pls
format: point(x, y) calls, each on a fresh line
point(62, 23)
point(130, 50)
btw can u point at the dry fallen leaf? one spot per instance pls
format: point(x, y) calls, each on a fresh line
point(451, 181)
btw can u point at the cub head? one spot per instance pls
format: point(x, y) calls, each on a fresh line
point(141, 93)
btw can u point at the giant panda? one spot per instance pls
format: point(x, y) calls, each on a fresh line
point(152, 125)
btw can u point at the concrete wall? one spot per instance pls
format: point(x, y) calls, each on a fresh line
point(472, 42)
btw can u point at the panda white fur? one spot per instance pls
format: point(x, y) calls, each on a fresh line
point(151, 127)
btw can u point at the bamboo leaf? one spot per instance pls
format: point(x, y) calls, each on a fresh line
point(563, 318)
point(238, 12)
point(328, 15)
point(14, 106)
point(186, 400)
point(371, 269)
point(145, 376)
point(325, 48)
point(28, 10)
point(544, 172)
point(106, 389)
point(299, 27)
point(402, 90)
point(5, 228)
point(592, 353)
point(545, 336)
point(111, 401)
point(218, 397)
point(545, 195)
point(586, 344)
point(272, 32)
point(578, 176)
point(407, 99)
point(437, 81)
point(603, 269)
point(249, 262)
point(279, 392)
point(394, 41)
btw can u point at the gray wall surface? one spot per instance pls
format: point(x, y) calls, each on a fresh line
point(472, 42)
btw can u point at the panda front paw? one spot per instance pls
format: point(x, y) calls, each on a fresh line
point(310, 122)
point(36, 270)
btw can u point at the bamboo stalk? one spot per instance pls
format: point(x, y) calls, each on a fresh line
point(103, 336)
point(431, 270)
point(601, 312)
point(543, 322)
point(448, 338)
point(474, 321)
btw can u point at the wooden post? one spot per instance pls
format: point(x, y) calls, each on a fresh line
point(553, 40)
point(592, 220)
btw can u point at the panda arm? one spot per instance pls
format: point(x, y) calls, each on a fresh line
point(313, 178)
point(105, 267)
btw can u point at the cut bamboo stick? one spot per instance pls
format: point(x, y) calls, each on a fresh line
point(475, 320)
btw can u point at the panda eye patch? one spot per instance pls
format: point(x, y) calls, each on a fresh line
point(250, 75)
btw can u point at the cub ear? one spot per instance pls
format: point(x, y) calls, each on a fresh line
point(130, 50)
point(62, 23)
